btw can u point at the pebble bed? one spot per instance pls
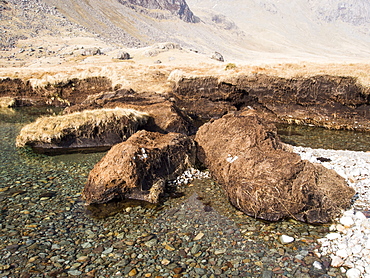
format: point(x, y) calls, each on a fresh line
point(348, 244)
point(47, 231)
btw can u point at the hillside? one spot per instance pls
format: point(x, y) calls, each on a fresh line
point(334, 29)
point(242, 30)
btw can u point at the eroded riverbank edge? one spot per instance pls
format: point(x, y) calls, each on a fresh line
point(334, 96)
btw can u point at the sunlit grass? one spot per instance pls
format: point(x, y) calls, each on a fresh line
point(80, 124)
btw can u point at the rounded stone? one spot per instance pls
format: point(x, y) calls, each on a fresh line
point(353, 273)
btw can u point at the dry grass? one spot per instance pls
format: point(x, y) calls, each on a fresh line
point(143, 75)
point(7, 102)
point(80, 124)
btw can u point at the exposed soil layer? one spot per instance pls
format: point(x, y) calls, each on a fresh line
point(63, 93)
point(330, 101)
point(90, 130)
point(333, 102)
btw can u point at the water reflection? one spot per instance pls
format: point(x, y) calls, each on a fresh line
point(321, 138)
point(26, 114)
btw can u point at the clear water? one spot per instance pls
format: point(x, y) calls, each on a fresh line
point(23, 167)
point(321, 138)
point(34, 174)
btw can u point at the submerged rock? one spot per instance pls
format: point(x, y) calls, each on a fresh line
point(139, 168)
point(245, 155)
point(90, 130)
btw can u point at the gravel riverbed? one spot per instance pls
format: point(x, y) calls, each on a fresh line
point(47, 231)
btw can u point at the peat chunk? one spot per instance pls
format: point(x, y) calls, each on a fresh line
point(164, 115)
point(139, 167)
point(86, 131)
point(244, 154)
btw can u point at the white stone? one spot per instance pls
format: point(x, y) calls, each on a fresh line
point(367, 244)
point(340, 228)
point(231, 159)
point(341, 245)
point(360, 268)
point(346, 221)
point(353, 273)
point(367, 269)
point(333, 236)
point(349, 213)
point(342, 253)
point(284, 239)
point(359, 215)
point(348, 262)
point(356, 249)
point(336, 261)
point(353, 245)
point(317, 265)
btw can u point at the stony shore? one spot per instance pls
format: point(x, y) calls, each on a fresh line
point(348, 244)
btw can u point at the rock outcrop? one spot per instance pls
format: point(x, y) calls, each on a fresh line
point(139, 167)
point(217, 56)
point(177, 7)
point(122, 55)
point(90, 130)
point(244, 154)
point(90, 51)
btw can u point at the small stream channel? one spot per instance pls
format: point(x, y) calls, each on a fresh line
point(40, 203)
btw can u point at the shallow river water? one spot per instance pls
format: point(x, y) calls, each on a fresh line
point(321, 138)
point(46, 231)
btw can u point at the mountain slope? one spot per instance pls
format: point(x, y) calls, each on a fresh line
point(323, 28)
point(134, 25)
point(247, 30)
